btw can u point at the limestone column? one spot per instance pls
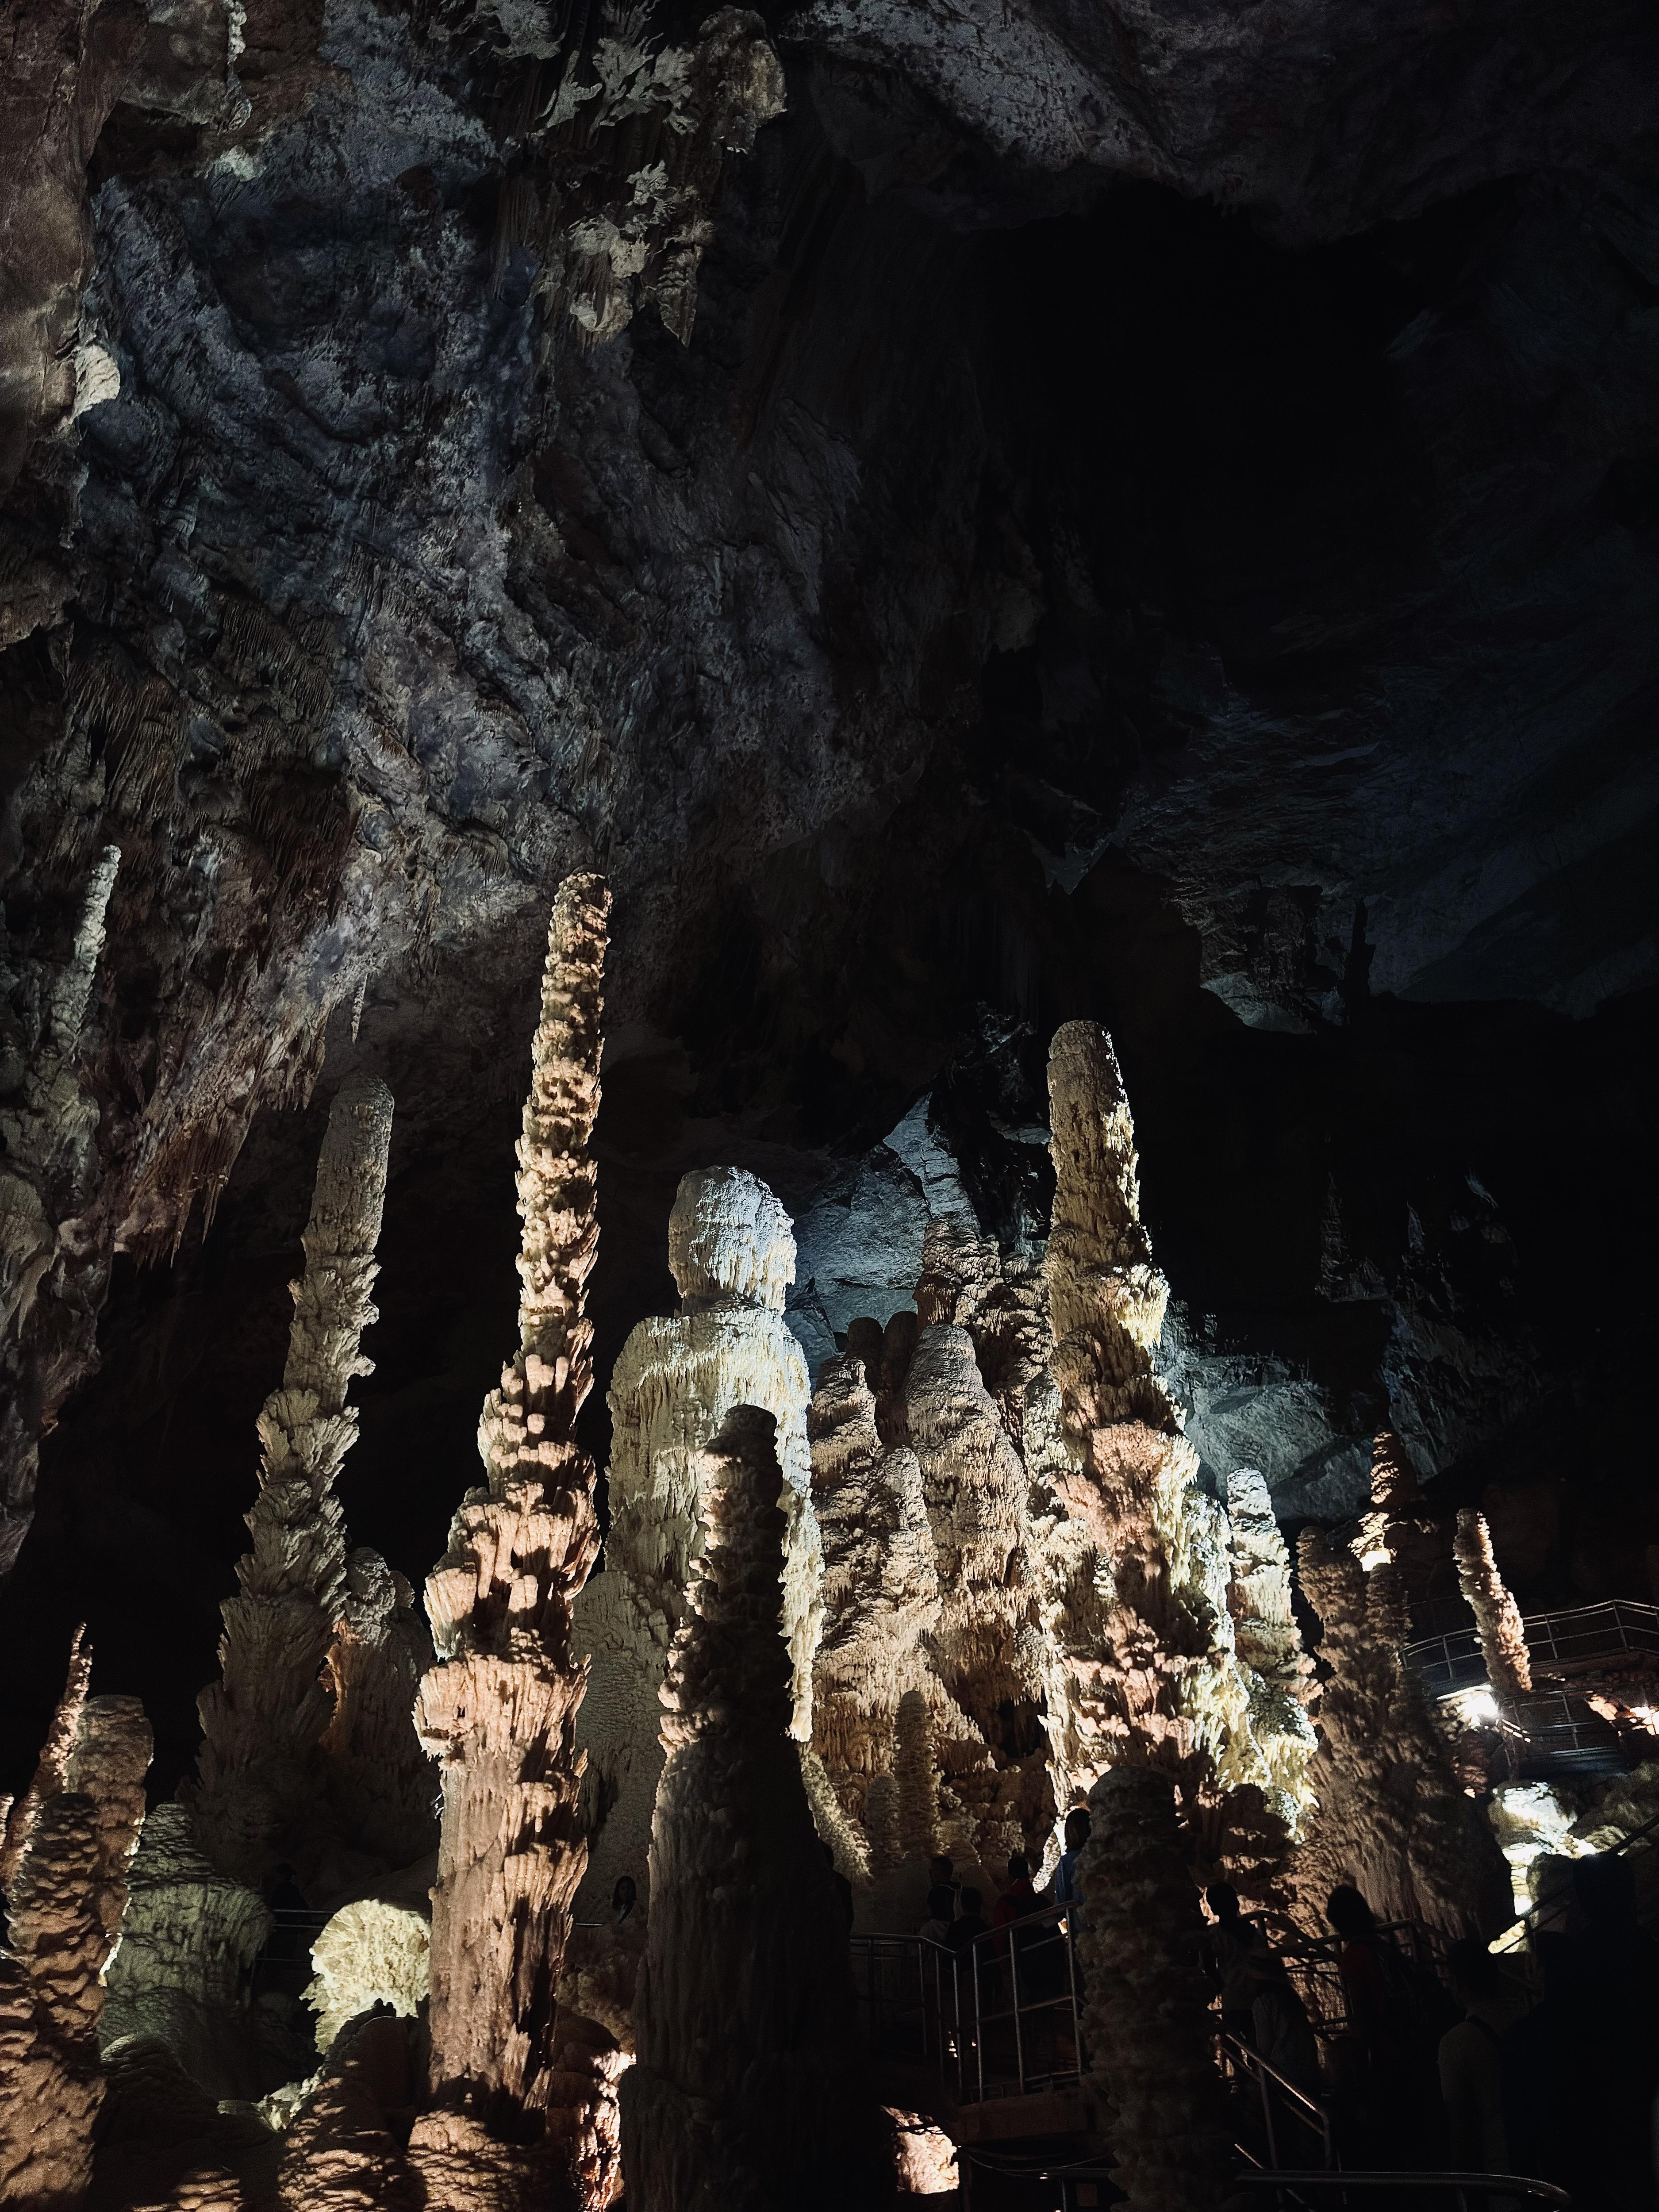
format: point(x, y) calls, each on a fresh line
point(1147, 2023)
point(499, 1709)
point(1151, 1647)
point(749, 2091)
point(258, 1798)
point(732, 1250)
point(1497, 1616)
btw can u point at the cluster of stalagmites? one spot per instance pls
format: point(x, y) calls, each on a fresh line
point(972, 1581)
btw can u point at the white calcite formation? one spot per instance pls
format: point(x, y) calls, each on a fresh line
point(499, 1709)
point(732, 1254)
point(263, 1795)
point(747, 2091)
point(1268, 1644)
point(68, 1841)
point(376, 1951)
point(1148, 1638)
point(1497, 1616)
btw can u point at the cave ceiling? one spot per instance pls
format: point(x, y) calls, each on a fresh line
point(1155, 516)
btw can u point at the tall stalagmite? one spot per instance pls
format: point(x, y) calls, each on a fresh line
point(1497, 1615)
point(1278, 1671)
point(260, 1797)
point(499, 1710)
point(881, 1596)
point(1147, 2023)
point(732, 1249)
point(748, 2093)
point(1155, 1677)
point(68, 1841)
point(1392, 1816)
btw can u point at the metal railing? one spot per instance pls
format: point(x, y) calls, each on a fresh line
point(998, 2018)
point(1574, 1639)
point(1284, 2103)
point(1288, 2185)
point(1524, 1924)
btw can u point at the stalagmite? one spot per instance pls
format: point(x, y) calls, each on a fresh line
point(374, 1951)
point(258, 1800)
point(378, 1779)
point(916, 1772)
point(1392, 1817)
point(1497, 1615)
point(69, 1840)
point(499, 1709)
point(1146, 2024)
point(1149, 1639)
point(748, 2091)
point(732, 1253)
point(881, 1595)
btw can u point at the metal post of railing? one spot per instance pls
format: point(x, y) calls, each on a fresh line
point(1013, 1982)
point(979, 2028)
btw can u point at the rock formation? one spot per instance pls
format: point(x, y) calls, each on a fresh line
point(261, 1796)
point(1392, 1817)
point(1497, 1615)
point(379, 1783)
point(372, 1952)
point(68, 1840)
point(48, 1142)
point(1148, 1636)
point(188, 1942)
point(747, 2091)
point(1278, 1671)
point(499, 1709)
point(1146, 2025)
point(734, 1258)
point(881, 1595)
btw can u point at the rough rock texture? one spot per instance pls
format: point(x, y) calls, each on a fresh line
point(1157, 1676)
point(499, 1710)
point(1392, 1816)
point(748, 2090)
point(1268, 1643)
point(49, 1127)
point(881, 1592)
point(1146, 2021)
point(261, 1798)
point(67, 1845)
point(733, 1259)
point(189, 1939)
point(372, 1952)
point(1497, 1616)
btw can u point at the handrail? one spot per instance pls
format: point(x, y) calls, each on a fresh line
point(1486, 2185)
point(1313, 2114)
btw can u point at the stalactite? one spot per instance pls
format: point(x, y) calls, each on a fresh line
point(69, 1842)
point(747, 2091)
point(732, 1253)
point(258, 1799)
point(1392, 1817)
point(1497, 1615)
point(881, 1595)
point(499, 1708)
point(1147, 1634)
point(1146, 2025)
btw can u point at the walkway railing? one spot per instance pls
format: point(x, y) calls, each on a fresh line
point(1573, 1641)
point(998, 2018)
